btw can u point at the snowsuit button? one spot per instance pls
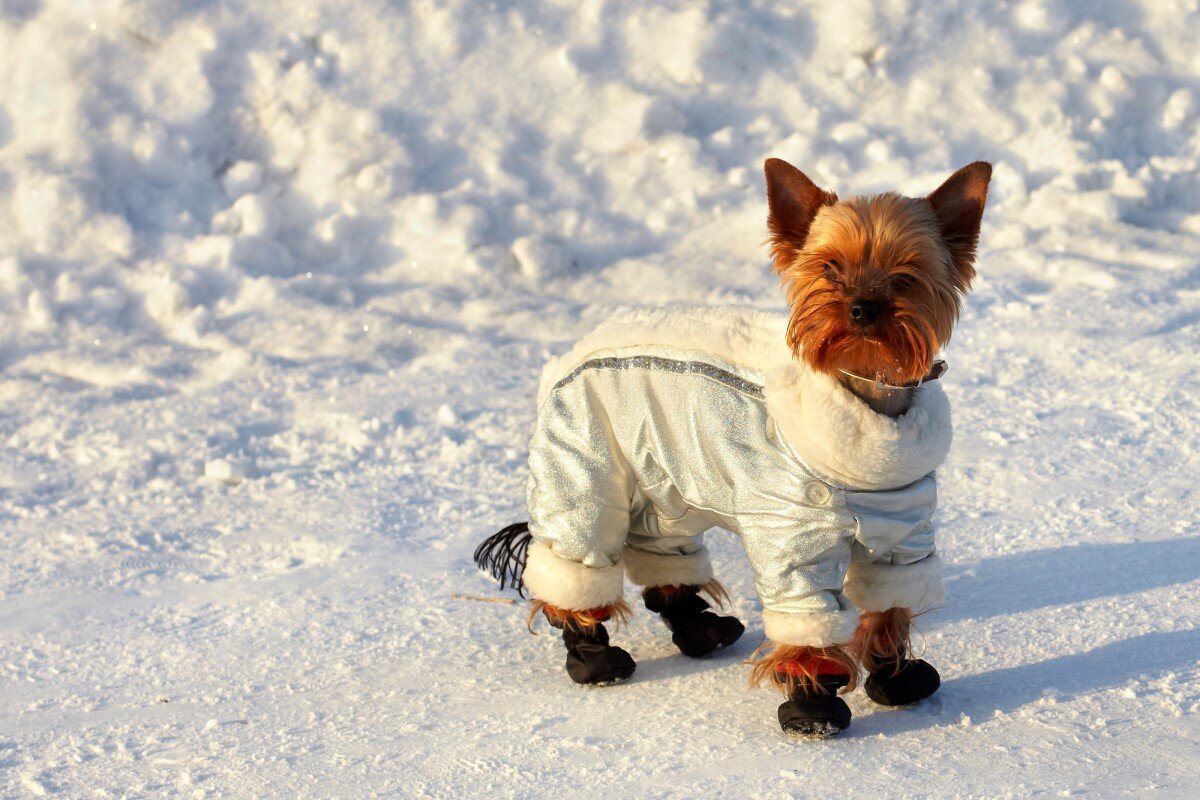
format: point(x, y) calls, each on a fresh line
point(817, 494)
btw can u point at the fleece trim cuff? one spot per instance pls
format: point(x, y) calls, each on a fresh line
point(570, 585)
point(818, 629)
point(880, 586)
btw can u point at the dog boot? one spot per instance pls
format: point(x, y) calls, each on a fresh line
point(591, 660)
point(695, 629)
point(815, 712)
point(914, 681)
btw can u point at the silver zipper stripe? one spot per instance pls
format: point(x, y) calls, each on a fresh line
point(666, 365)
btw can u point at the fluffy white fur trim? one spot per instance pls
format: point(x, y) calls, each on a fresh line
point(819, 629)
point(656, 569)
point(880, 586)
point(839, 436)
point(570, 585)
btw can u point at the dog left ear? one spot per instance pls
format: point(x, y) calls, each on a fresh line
point(958, 204)
point(793, 200)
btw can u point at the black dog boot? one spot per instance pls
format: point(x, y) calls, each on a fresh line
point(695, 629)
point(914, 681)
point(817, 713)
point(591, 661)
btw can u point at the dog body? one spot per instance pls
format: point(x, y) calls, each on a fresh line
point(814, 436)
point(661, 425)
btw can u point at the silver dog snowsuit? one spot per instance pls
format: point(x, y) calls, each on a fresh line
point(662, 424)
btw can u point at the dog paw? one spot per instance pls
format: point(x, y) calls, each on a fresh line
point(915, 681)
point(815, 717)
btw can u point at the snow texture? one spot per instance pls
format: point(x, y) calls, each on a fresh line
point(276, 282)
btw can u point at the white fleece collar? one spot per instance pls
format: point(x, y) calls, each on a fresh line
point(840, 437)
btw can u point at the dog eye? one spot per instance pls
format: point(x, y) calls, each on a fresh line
point(831, 270)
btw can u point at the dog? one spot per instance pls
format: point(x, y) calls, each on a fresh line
point(813, 435)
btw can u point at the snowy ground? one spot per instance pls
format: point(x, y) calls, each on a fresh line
point(276, 280)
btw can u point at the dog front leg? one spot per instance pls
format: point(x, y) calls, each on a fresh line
point(888, 593)
point(798, 574)
point(894, 678)
point(811, 678)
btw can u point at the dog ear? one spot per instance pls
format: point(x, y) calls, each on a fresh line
point(794, 200)
point(958, 205)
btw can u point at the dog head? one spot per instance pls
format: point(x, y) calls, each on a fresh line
point(875, 283)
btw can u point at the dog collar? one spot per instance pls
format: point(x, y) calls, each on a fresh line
point(936, 371)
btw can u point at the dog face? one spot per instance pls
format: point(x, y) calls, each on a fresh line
point(875, 283)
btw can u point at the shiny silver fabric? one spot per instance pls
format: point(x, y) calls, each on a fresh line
point(650, 452)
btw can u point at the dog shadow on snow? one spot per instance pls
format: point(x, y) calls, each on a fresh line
point(1024, 582)
point(1021, 582)
point(1007, 690)
point(1009, 586)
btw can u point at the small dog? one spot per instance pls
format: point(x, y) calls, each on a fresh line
point(813, 436)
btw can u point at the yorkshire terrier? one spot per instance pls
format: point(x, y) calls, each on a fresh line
point(814, 436)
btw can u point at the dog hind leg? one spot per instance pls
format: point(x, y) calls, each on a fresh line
point(675, 571)
point(591, 660)
point(695, 629)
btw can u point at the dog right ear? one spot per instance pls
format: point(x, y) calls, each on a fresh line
point(793, 200)
point(958, 204)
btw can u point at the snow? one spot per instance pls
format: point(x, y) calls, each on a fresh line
point(276, 281)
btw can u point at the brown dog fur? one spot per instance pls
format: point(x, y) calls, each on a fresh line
point(618, 612)
point(579, 619)
point(795, 669)
point(912, 256)
point(883, 639)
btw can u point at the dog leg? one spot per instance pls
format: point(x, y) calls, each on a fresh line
point(695, 629)
point(675, 572)
point(883, 647)
point(591, 660)
point(811, 678)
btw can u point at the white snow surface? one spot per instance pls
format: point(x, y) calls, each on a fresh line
point(276, 282)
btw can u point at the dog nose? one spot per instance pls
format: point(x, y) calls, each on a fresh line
point(865, 312)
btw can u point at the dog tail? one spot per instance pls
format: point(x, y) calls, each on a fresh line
point(503, 553)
